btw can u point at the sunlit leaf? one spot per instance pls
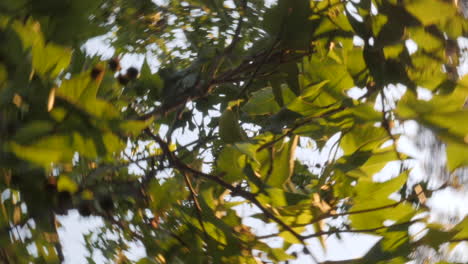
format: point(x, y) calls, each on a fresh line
point(66, 184)
point(363, 138)
point(262, 102)
point(431, 11)
point(229, 128)
point(231, 162)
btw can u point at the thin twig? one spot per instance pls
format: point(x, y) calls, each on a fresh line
point(237, 33)
point(297, 126)
point(257, 69)
point(386, 126)
point(198, 208)
point(104, 168)
point(331, 232)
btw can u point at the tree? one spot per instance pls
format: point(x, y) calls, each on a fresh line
point(254, 83)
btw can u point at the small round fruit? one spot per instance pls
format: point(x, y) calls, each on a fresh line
point(123, 79)
point(97, 73)
point(114, 64)
point(132, 73)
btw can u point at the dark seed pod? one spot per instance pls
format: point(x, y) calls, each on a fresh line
point(64, 203)
point(97, 73)
point(132, 73)
point(123, 79)
point(85, 208)
point(114, 65)
point(106, 203)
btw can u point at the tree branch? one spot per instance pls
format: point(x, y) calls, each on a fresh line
point(317, 234)
point(235, 190)
point(198, 208)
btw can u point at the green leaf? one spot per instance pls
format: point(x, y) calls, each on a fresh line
point(33, 131)
point(44, 151)
point(393, 51)
point(101, 109)
point(46, 58)
point(149, 81)
point(431, 11)
point(248, 149)
point(288, 237)
point(457, 156)
point(277, 91)
point(3, 75)
point(393, 241)
point(436, 236)
point(365, 112)
point(367, 189)
point(84, 145)
point(29, 33)
point(425, 40)
point(112, 143)
point(164, 195)
point(283, 164)
point(50, 59)
point(312, 90)
point(356, 66)
point(393, 248)
point(135, 126)
point(232, 163)
point(146, 260)
point(426, 71)
point(447, 122)
point(262, 102)
point(66, 184)
point(376, 162)
point(82, 91)
point(279, 254)
point(378, 22)
point(462, 229)
point(73, 88)
point(290, 20)
point(363, 137)
point(229, 128)
point(317, 70)
point(373, 198)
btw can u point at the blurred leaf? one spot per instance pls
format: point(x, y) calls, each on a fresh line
point(135, 126)
point(44, 151)
point(149, 81)
point(376, 162)
point(66, 184)
point(51, 59)
point(462, 229)
point(229, 128)
point(373, 197)
point(33, 131)
point(436, 236)
point(231, 162)
point(46, 58)
point(367, 137)
point(262, 103)
point(457, 156)
point(431, 11)
point(283, 163)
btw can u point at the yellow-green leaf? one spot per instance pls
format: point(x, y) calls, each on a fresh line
point(66, 184)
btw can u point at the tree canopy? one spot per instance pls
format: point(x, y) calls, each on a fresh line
point(290, 108)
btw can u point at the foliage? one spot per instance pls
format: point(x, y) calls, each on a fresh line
point(252, 82)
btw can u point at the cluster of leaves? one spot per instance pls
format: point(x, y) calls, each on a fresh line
point(252, 82)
